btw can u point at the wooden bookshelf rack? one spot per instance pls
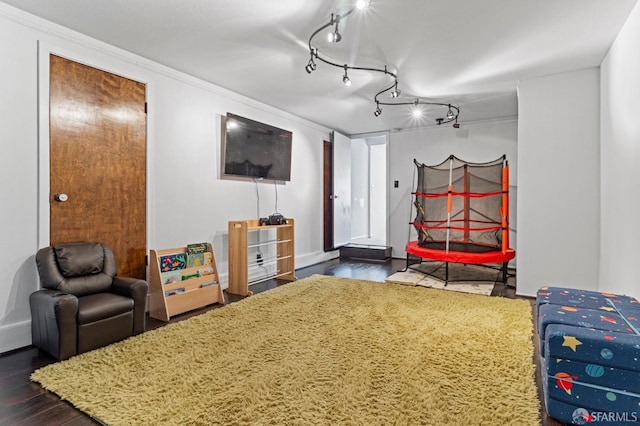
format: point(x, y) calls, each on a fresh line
point(179, 296)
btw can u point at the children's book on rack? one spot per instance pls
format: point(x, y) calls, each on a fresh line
point(205, 270)
point(171, 277)
point(173, 262)
point(198, 254)
point(174, 292)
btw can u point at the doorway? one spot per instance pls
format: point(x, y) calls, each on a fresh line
point(369, 212)
point(355, 192)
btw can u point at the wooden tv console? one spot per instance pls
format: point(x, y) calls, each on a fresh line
point(239, 253)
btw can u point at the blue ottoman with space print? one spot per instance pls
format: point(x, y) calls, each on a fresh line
point(590, 356)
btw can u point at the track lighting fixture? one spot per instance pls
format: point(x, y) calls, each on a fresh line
point(334, 36)
point(417, 112)
point(346, 80)
point(450, 115)
point(395, 92)
point(311, 65)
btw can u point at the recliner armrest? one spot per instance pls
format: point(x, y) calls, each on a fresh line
point(136, 289)
point(54, 322)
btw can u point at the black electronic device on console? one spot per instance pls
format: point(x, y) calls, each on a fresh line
point(274, 219)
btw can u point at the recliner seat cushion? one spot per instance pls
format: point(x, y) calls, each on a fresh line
point(104, 332)
point(96, 307)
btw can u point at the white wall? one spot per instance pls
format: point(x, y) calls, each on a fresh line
point(19, 172)
point(620, 163)
point(475, 142)
point(187, 201)
point(558, 181)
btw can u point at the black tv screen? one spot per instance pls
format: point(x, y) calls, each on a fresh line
point(256, 150)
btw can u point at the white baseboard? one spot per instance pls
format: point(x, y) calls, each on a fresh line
point(15, 336)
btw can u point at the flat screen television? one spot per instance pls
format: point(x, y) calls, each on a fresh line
point(256, 150)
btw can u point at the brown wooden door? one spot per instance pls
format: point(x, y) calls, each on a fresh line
point(98, 160)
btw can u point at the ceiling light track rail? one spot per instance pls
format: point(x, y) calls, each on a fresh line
point(335, 37)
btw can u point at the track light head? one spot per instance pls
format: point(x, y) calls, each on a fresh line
point(450, 114)
point(417, 111)
point(395, 92)
point(378, 111)
point(334, 37)
point(311, 66)
point(345, 79)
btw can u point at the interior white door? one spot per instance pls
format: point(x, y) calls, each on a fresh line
point(341, 189)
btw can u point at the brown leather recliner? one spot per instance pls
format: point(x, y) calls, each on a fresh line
point(83, 304)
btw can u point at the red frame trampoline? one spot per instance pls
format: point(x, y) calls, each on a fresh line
point(462, 214)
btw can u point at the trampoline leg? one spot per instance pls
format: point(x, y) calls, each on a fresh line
point(446, 273)
point(505, 275)
point(406, 268)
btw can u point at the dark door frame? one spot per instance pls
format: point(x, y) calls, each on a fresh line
point(327, 195)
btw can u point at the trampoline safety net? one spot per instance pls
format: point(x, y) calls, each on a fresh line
point(462, 206)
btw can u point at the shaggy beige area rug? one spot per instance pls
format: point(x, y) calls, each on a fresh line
point(319, 351)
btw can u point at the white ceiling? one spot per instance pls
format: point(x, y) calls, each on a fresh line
point(467, 52)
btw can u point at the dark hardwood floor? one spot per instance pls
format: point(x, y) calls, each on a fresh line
point(25, 403)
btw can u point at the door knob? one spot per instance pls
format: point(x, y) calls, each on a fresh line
point(62, 197)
